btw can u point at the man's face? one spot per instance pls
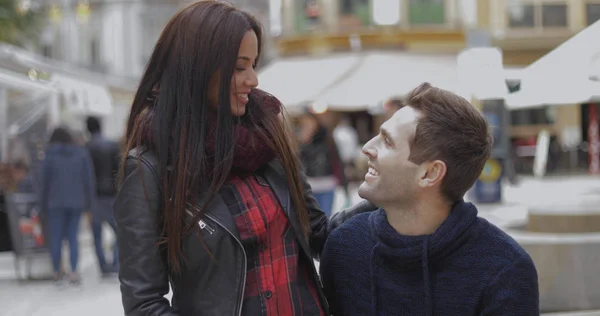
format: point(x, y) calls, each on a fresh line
point(391, 177)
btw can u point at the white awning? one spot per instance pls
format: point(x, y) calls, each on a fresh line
point(23, 83)
point(83, 92)
point(563, 75)
point(298, 80)
point(513, 73)
point(84, 98)
point(381, 75)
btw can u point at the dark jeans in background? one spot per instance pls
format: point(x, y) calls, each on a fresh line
point(103, 212)
point(325, 200)
point(64, 223)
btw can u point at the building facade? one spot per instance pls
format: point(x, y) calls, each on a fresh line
point(321, 26)
point(115, 37)
point(526, 30)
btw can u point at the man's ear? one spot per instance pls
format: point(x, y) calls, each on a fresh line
point(432, 173)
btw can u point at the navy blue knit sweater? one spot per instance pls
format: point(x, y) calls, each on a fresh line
point(467, 267)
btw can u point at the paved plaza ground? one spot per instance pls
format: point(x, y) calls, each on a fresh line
point(101, 297)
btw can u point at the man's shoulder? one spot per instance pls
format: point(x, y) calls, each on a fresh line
point(355, 227)
point(351, 239)
point(497, 246)
point(357, 221)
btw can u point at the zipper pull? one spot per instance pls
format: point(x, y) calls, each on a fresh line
point(203, 225)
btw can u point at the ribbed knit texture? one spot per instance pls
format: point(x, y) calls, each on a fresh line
point(467, 267)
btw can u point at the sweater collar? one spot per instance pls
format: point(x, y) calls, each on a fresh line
point(406, 249)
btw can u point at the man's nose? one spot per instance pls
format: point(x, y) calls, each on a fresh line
point(369, 151)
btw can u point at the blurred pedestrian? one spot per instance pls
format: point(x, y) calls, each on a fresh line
point(67, 189)
point(212, 200)
point(346, 138)
point(321, 160)
point(105, 155)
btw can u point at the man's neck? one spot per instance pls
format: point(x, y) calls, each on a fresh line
point(419, 219)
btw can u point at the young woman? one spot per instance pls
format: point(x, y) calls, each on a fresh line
point(212, 202)
point(67, 190)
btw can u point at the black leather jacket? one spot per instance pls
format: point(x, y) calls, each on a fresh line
point(204, 286)
point(106, 158)
point(318, 156)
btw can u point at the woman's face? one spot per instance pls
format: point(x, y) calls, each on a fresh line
point(244, 77)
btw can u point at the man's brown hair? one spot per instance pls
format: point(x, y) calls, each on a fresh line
point(451, 130)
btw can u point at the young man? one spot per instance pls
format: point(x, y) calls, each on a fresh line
point(105, 155)
point(425, 251)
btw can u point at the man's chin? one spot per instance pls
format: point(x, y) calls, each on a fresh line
point(364, 190)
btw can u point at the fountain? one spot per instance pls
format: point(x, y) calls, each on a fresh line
point(564, 242)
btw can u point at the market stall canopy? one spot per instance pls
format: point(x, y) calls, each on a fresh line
point(297, 80)
point(22, 101)
point(380, 75)
point(84, 92)
point(82, 97)
point(563, 76)
point(17, 81)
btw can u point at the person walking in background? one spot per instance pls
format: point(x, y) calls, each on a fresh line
point(346, 138)
point(321, 160)
point(105, 156)
point(67, 189)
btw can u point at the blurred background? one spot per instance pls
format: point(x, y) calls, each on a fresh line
point(531, 66)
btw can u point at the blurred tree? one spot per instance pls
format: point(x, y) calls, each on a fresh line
point(19, 23)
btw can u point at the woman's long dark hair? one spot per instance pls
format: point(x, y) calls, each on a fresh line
point(200, 40)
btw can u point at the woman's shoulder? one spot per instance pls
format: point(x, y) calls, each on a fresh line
point(141, 157)
point(144, 154)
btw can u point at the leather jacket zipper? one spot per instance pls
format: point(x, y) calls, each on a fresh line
point(210, 230)
point(203, 225)
point(241, 299)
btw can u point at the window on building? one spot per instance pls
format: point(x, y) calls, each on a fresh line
point(308, 15)
point(554, 15)
point(540, 116)
point(532, 14)
point(354, 14)
point(47, 51)
point(426, 12)
point(94, 52)
point(592, 13)
point(521, 16)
